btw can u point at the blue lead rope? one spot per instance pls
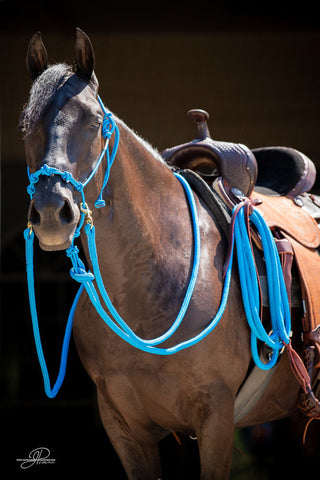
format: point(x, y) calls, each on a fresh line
point(51, 393)
point(278, 300)
point(118, 325)
point(280, 316)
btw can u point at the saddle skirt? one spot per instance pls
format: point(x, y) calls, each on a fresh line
point(282, 213)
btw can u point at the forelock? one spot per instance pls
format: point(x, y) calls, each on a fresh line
point(42, 92)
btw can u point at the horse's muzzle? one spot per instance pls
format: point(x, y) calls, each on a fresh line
point(54, 216)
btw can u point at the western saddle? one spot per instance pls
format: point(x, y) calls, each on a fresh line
point(281, 178)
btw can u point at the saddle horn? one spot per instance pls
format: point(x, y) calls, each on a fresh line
point(234, 161)
point(200, 117)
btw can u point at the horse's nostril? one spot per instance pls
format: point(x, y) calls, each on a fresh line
point(52, 214)
point(34, 215)
point(66, 214)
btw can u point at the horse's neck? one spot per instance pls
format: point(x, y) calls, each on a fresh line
point(144, 235)
point(140, 181)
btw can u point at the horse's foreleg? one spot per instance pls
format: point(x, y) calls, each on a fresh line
point(140, 459)
point(215, 440)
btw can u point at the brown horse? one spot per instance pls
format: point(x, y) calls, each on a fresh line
point(145, 242)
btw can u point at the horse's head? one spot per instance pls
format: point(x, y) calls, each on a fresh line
point(62, 127)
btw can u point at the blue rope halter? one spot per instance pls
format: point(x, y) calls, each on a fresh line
point(108, 128)
point(280, 315)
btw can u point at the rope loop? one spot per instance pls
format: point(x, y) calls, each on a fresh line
point(100, 203)
point(244, 213)
point(81, 275)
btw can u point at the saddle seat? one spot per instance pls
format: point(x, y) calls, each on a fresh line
point(280, 177)
point(283, 171)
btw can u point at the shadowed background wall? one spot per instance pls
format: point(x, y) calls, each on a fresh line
point(254, 68)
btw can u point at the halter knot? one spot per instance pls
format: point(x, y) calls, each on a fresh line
point(67, 177)
point(34, 177)
point(108, 126)
point(78, 186)
point(46, 170)
point(81, 275)
point(72, 250)
point(31, 189)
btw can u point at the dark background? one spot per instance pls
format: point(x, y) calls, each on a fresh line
point(255, 67)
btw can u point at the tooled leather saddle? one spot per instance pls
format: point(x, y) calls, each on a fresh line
point(281, 178)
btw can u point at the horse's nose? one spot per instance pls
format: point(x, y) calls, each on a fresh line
point(54, 215)
point(59, 209)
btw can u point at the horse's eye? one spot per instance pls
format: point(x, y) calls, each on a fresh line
point(22, 128)
point(96, 123)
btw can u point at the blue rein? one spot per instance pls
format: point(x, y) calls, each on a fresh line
point(280, 312)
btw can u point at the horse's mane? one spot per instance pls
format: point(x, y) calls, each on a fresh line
point(42, 92)
point(128, 132)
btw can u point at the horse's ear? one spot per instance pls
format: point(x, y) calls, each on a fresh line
point(84, 55)
point(37, 57)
